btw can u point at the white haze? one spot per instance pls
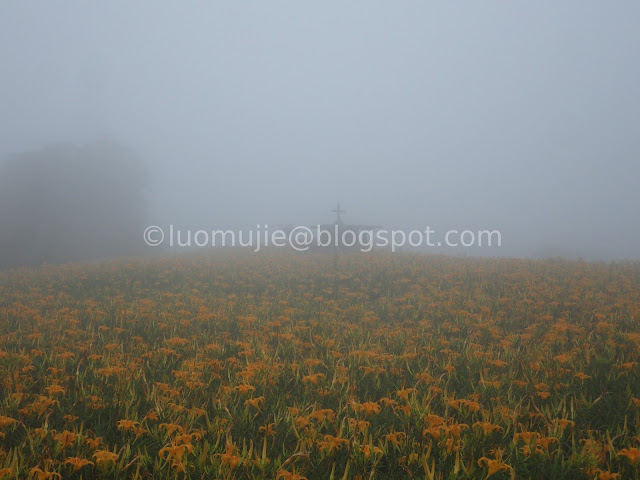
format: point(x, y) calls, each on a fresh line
point(518, 116)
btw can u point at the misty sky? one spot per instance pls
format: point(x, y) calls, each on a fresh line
point(520, 116)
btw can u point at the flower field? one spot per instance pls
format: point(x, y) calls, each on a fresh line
point(292, 367)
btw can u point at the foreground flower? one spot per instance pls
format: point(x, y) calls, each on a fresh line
point(284, 475)
point(6, 421)
point(77, 463)
point(6, 472)
point(175, 454)
point(65, 438)
point(633, 454)
point(104, 457)
point(45, 474)
point(493, 465)
point(369, 408)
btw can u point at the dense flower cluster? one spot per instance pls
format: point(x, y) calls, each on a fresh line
point(307, 367)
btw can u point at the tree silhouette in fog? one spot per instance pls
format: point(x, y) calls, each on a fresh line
point(68, 202)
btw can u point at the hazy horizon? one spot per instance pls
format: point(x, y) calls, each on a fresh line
point(521, 117)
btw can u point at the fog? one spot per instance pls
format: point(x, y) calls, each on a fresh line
point(517, 116)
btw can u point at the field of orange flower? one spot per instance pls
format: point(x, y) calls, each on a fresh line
point(288, 367)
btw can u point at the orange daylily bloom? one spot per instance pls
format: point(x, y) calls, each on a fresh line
point(493, 465)
point(633, 454)
point(77, 463)
point(104, 457)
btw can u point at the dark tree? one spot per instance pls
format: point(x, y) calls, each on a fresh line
point(65, 203)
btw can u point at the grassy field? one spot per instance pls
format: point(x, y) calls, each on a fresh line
point(294, 366)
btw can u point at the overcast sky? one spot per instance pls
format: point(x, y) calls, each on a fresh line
point(520, 116)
